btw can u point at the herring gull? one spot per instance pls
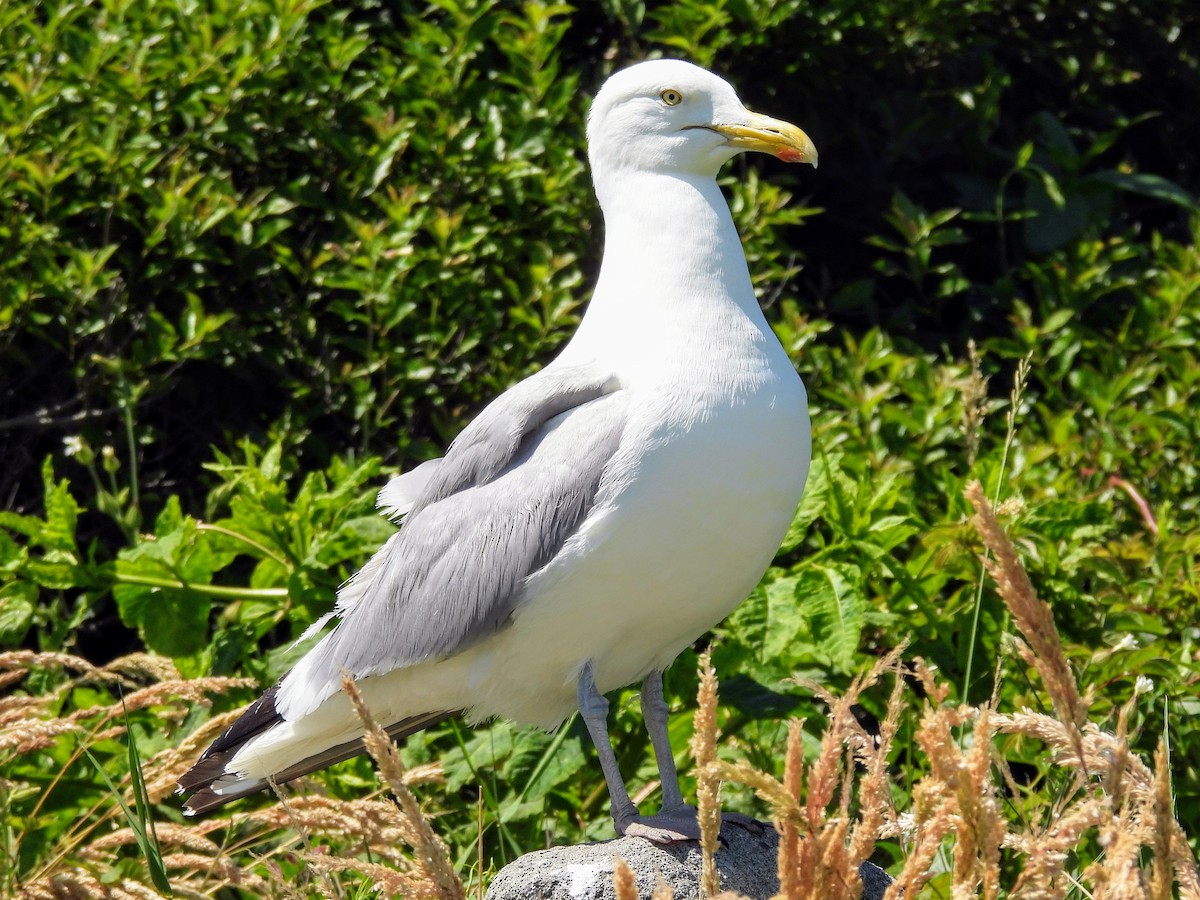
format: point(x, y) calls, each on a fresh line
point(599, 516)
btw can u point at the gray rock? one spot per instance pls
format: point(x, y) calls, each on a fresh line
point(747, 864)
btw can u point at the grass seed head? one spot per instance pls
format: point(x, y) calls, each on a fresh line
point(708, 781)
point(430, 851)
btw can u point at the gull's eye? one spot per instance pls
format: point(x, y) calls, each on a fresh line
point(671, 97)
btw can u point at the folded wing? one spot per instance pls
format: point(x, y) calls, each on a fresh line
point(513, 488)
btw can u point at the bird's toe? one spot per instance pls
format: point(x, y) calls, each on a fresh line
point(751, 824)
point(658, 830)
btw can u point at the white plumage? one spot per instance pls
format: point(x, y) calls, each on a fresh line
point(601, 515)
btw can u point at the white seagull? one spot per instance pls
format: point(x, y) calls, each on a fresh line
point(599, 516)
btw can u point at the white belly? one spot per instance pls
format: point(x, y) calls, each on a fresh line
point(663, 558)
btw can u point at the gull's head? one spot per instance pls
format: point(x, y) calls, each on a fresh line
point(673, 117)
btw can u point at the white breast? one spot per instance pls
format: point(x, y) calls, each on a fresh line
point(674, 544)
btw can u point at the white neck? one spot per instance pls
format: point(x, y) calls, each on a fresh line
point(673, 269)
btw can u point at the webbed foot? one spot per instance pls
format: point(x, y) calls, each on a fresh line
point(678, 824)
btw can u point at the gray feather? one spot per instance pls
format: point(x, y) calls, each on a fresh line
point(500, 506)
point(490, 443)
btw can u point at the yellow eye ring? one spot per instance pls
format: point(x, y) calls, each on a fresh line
point(671, 97)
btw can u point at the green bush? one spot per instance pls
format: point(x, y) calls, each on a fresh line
point(264, 212)
point(258, 254)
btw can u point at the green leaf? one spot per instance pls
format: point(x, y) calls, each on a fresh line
point(30, 526)
point(812, 503)
point(147, 839)
point(559, 760)
point(17, 601)
point(1057, 320)
point(1024, 154)
point(57, 570)
point(147, 833)
point(832, 597)
point(172, 622)
point(1148, 185)
point(171, 518)
point(786, 621)
point(62, 512)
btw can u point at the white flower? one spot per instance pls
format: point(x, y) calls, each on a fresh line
point(73, 445)
point(1127, 642)
point(1143, 685)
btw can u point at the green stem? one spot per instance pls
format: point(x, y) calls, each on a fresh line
point(229, 532)
point(211, 590)
point(974, 634)
point(127, 404)
point(1014, 404)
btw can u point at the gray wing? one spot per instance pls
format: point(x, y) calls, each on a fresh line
point(492, 441)
point(513, 487)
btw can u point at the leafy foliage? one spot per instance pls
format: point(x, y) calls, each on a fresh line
point(257, 254)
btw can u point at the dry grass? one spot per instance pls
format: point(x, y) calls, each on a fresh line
point(624, 882)
point(432, 874)
point(1105, 831)
point(816, 856)
point(967, 814)
point(708, 783)
point(974, 403)
point(1039, 644)
point(257, 852)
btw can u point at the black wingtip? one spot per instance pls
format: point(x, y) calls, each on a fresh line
point(209, 767)
point(259, 717)
point(206, 799)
